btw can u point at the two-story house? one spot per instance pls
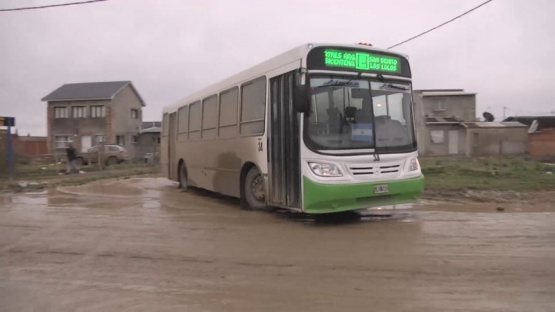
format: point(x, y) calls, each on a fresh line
point(446, 124)
point(439, 115)
point(87, 114)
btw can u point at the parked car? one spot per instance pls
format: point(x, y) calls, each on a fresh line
point(112, 155)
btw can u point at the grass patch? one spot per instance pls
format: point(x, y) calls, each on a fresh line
point(501, 174)
point(49, 176)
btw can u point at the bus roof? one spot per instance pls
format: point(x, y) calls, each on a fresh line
point(295, 54)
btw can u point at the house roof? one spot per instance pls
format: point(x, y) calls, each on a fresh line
point(494, 124)
point(151, 127)
point(447, 93)
point(150, 124)
point(543, 121)
point(442, 120)
point(152, 130)
point(105, 90)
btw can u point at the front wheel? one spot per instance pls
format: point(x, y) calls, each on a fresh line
point(254, 190)
point(182, 176)
point(112, 161)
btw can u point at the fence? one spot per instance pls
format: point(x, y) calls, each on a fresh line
point(49, 165)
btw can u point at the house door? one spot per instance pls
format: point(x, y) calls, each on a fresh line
point(453, 142)
point(86, 143)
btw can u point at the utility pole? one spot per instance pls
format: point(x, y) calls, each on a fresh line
point(504, 109)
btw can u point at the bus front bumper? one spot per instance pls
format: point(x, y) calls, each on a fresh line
point(329, 198)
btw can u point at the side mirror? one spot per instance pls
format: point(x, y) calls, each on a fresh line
point(302, 99)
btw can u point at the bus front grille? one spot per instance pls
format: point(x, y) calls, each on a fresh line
point(365, 170)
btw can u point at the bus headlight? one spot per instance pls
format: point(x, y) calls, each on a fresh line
point(414, 165)
point(325, 170)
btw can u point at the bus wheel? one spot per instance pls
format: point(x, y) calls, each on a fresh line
point(182, 176)
point(255, 193)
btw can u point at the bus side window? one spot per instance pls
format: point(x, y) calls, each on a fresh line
point(194, 120)
point(165, 125)
point(229, 103)
point(182, 123)
point(210, 117)
point(253, 107)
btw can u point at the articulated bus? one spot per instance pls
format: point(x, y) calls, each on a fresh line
point(322, 128)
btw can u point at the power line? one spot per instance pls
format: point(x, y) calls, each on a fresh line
point(50, 6)
point(438, 26)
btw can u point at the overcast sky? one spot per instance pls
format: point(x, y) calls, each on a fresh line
point(171, 48)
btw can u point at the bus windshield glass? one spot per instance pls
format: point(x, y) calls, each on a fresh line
point(350, 113)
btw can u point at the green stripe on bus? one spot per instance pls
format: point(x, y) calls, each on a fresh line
point(326, 198)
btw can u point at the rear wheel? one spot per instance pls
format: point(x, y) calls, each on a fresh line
point(254, 190)
point(182, 176)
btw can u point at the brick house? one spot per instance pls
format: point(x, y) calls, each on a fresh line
point(541, 134)
point(89, 113)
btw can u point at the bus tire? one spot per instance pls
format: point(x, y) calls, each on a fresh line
point(254, 190)
point(182, 176)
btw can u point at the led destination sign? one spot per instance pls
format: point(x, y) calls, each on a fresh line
point(361, 61)
point(357, 60)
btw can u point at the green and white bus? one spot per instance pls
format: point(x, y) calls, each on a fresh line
point(321, 128)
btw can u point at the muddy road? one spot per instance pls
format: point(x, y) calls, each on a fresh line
point(142, 245)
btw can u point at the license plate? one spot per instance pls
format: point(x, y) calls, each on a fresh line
point(380, 189)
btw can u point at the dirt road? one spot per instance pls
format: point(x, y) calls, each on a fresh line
point(142, 245)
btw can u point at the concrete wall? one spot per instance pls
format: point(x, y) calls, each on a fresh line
point(427, 148)
point(462, 107)
point(459, 106)
point(76, 127)
point(122, 123)
point(148, 143)
point(497, 141)
point(542, 143)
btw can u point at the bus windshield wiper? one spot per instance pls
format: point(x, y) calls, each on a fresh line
point(394, 86)
point(337, 83)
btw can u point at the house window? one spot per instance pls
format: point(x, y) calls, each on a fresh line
point(437, 136)
point(439, 106)
point(98, 111)
point(60, 112)
point(99, 138)
point(78, 112)
point(120, 140)
point(135, 139)
point(61, 141)
point(135, 113)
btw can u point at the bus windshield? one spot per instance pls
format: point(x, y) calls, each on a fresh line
point(350, 113)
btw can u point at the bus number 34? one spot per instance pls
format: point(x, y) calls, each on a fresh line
point(260, 147)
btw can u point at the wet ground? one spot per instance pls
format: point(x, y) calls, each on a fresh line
point(142, 245)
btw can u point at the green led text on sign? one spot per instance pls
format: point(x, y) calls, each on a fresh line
point(361, 61)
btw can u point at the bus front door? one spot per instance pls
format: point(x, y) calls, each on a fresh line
point(172, 165)
point(284, 148)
